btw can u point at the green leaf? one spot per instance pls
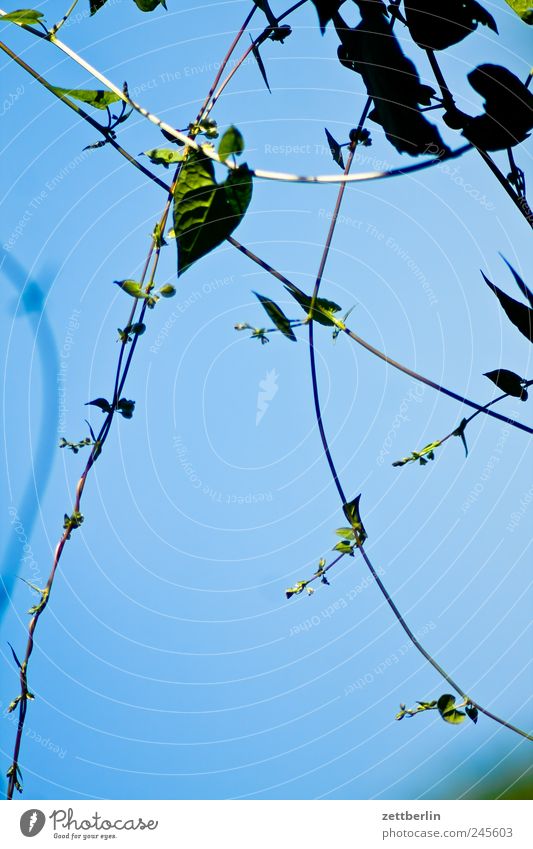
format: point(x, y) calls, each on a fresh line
point(508, 382)
point(523, 9)
point(296, 589)
point(23, 16)
point(132, 288)
point(231, 143)
point(277, 315)
point(164, 156)
point(150, 5)
point(99, 98)
point(351, 511)
point(519, 314)
point(347, 533)
point(335, 148)
point(344, 546)
point(206, 212)
point(168, 291)
point(323, 311)
point(448, 711)
point(426, 452)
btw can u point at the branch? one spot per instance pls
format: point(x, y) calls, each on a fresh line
point(188, 141)
point(480, 408)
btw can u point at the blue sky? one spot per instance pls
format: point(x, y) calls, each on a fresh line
point(169, 663)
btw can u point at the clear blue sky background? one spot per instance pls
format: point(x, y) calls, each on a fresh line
point(169, 663)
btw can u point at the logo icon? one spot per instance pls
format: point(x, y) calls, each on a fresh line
point(267, 389)
point(32, 822)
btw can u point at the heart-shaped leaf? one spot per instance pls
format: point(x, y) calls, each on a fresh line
point(206, 212)
point(448, 711)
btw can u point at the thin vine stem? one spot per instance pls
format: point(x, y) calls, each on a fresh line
point(399, 617)
point(121, 374)
point(261, 174)
point(82, 114)
point(447, 98)
point(480, 408)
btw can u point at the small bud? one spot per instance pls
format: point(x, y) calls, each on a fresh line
point(167, 291)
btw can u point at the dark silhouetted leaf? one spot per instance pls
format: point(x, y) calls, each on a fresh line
point(23, 16)
point(99, 98)
point(448, 711)
point(231, 144)
point(323, 309)
point(104, 405)
point(460, 432)
point(523, 9)
point(391, 80)
point(520, 315)
point(206, 212)
point(326, 11)
point(265, 7)
point(526, 291)
point(95, 5)
point(260, 65)
point(472, 713)
point(441, 23)
point(508, 115)
point(126, 408)
point(336, 150)
point(17, 661)
point(150, 5)
point(351, 511)
point(508, 382)
point(277, 315)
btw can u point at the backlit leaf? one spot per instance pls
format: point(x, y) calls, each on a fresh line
point(206, 212)
point(323, 310)
point(523, 8)
point(100, 98)
point(351, 511)
point(231, 143)
point(163, 156)
point(448, 711)
point(23, 16)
